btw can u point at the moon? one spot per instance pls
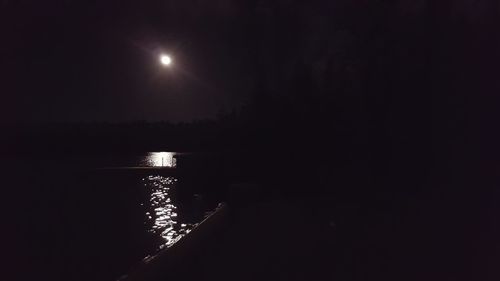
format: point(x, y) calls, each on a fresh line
point(165, 60)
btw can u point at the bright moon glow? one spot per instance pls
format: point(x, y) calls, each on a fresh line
point(165, 60)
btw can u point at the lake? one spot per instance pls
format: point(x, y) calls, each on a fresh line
point(69, 219)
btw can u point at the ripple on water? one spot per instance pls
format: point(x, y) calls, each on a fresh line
point(162, 218)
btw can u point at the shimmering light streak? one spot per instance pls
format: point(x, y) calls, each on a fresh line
point(162, 217)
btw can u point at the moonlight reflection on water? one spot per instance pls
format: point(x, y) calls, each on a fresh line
point(162, 217)
point(160, 159)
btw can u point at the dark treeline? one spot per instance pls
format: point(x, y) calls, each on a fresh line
point(112, 138)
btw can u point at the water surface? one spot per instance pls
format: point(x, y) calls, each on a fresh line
point(69, 221)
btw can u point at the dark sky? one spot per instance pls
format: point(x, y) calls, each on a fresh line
point(98, 60)
point(71, 60)
point(78, 60)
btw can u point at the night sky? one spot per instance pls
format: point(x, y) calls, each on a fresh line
point(98, 60)
point(81, 61)
point(84, 61)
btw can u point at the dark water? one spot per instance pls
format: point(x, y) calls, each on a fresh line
point(67, 220)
